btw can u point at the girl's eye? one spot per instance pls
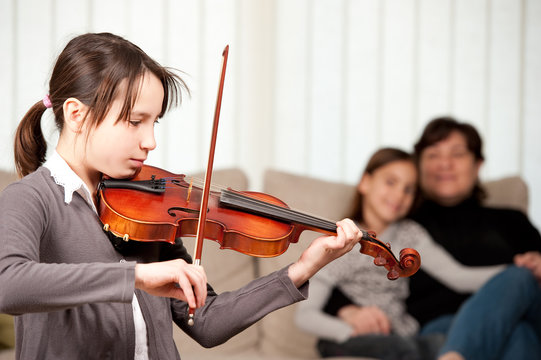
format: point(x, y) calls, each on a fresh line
point(134, 122)
point(156, 122)
point(409, 190)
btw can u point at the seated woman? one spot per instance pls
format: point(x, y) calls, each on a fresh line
point(377, 324)
point(449, 156)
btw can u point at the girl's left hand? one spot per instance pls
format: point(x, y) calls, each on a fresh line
point(323, 250)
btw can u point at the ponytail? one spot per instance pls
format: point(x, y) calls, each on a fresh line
point(92, 69)
point(30, 147)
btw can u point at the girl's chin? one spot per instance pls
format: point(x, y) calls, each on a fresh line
point(391, 218)
point(127, 174)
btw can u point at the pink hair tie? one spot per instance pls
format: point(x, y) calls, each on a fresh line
point(47, 102)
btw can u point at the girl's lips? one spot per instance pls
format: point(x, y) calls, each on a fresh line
point(138, 162)
point(394, 207)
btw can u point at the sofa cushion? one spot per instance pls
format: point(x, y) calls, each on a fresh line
point(279, 334)
point(510, 192)
point(324, 199)
point(6, 178)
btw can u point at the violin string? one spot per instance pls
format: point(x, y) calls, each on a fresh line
point(213, 188)
point(300, 217)
point(294, 215)
point(194, 181)
point(287, 213)
point(198, 182)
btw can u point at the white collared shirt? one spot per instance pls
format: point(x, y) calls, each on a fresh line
point(64, 176)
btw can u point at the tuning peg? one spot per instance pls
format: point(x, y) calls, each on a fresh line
point(380, 260)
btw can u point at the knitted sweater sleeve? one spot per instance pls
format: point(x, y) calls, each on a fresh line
point(229, 313)
point(30, 284)
point(437, 262)
point(311, 318)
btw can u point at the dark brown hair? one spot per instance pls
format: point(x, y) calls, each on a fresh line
point(439, 129)
point(91, 68)
point(379, 159)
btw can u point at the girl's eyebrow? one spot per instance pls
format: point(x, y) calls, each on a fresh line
point(140, 113)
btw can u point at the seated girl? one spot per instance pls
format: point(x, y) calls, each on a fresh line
point(376, 324)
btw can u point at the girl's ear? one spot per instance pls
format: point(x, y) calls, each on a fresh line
point(74, 114)
point(364, 185)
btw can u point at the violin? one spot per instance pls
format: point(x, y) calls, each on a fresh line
point(157, 205)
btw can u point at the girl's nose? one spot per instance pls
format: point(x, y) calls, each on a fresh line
point(399, 195)
point(149, 141)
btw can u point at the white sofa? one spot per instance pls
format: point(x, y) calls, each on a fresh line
point(276, 336)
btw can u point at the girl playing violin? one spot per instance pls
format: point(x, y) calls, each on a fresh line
point(59, 272)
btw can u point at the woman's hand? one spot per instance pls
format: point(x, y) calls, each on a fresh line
point(530, 260)
point(365, 319)
point(175, 279)
point(323, 250)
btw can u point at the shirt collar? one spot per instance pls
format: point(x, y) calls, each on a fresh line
point(64, 176)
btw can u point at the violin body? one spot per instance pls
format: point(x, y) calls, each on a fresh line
point(143, 215)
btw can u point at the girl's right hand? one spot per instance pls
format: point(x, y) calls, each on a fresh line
point(365, 320)
point(175, 278)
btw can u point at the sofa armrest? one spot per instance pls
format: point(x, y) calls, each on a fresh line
point(510, 192)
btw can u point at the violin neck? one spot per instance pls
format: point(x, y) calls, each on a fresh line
point(235, 200)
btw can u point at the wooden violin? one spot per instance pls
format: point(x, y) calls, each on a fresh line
point(158, 205)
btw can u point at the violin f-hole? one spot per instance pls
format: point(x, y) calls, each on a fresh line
point(171, 211)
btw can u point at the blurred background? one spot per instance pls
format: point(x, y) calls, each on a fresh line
point(312, 86)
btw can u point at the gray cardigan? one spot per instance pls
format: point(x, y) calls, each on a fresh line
point(72, 291)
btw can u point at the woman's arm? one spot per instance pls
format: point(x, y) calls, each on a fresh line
point(437, 262)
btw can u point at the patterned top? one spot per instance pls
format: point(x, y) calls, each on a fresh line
point(367, 285)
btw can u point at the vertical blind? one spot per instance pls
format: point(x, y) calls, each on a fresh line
point(313, 86)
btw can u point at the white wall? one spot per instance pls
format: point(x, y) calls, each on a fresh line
point(313, 86)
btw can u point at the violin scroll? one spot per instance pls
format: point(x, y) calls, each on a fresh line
point(409, 262)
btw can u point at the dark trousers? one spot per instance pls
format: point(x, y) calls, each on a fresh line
point(385, 347)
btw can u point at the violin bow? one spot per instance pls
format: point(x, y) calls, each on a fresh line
point(208, 175)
